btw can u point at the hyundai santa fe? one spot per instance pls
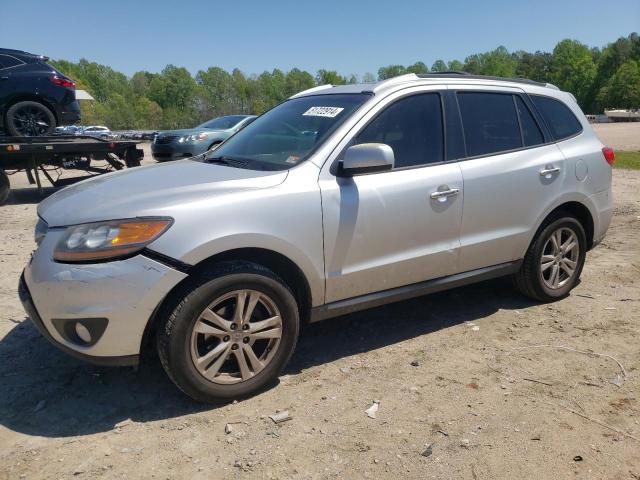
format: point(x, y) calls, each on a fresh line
point(339, 199)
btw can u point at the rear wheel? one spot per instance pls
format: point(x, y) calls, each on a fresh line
point(29, 119)
point(229, 333)
point(5, 187)
point(554, 261)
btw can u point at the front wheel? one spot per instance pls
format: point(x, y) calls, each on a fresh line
point(554, 261)
point(229, 333)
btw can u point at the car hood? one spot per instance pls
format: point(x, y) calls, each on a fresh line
point(153, 190)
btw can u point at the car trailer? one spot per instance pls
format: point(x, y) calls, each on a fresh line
point(32, 154)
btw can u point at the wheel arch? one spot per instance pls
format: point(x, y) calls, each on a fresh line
point(578, 210)
point(29, 97)
point(281, 265)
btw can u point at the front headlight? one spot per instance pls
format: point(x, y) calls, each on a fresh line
point(197, 137)
point(108, 240)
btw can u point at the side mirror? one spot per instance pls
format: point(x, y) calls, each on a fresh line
point(366, 158)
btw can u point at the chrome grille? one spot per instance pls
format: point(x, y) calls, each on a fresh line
point(163, 139)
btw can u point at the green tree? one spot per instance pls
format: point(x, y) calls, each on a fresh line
point(623, 89)
point(297, 81)
point(418, 67)
point(391, 71)
point(147, 114)
point(572, 69)
point(368, 78)
point(535, 66)
point(330, 77)
point(455, 66)
point(439, 66)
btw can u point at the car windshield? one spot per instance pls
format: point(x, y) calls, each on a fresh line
point(287, 134)
point(223, 123)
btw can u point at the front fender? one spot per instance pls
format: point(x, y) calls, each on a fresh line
point(309, 268)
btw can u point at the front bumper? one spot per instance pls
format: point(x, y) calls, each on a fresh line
point(124, 292)
point(30, 308)
point(174, 151)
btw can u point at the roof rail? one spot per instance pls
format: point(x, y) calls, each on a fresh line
point(481, 77)
point(446, 72)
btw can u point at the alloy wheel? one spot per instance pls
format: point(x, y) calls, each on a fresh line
point(31, 121)
point(236, 336)
point(559, 258)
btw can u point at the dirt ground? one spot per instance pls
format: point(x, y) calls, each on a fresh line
point(474, 383)
point(621, 136)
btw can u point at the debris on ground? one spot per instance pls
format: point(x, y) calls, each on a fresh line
point(228, 429)
point(280, 416)
point(415, 363)
point(428, 451)
point(617, 381)
point(371, 411)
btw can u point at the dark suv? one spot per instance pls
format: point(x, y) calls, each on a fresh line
point(34, 96)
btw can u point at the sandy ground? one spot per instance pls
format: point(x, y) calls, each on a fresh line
point(621, 136)
point(473, 378)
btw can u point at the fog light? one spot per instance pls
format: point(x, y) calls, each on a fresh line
point(83, 332)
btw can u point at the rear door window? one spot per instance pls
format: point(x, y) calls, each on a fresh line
point(531, 134)
point(490, 122)
point(412, 127)
point(559, 118)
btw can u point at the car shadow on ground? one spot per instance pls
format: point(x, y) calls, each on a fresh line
point(45, 392)
point(30, 195)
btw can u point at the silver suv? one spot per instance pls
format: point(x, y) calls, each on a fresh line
point(339, 199)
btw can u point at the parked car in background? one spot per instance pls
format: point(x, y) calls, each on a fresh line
point(337, 200)
point(176, 144)
point(67, 130)
point(98, 131)
point(34, 97)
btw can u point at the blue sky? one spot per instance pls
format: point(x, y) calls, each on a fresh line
point(348, 36)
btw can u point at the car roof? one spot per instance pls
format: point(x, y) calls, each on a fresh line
point(22, 54)
point(423, 79)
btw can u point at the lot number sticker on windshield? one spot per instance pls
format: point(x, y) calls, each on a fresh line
point(329, 112)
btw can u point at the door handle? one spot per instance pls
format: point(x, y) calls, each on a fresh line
point(549, 171)
point(452, 192)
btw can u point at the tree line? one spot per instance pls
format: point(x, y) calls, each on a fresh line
point(600, 78)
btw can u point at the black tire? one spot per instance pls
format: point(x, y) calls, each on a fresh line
point(529, 280)
point(29, 119)
point(5, 187)
point(183, 310)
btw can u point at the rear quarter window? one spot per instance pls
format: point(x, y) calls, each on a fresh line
point(559, 118)
point(7, 61)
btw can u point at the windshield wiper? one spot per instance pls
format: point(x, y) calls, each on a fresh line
point(231, 162)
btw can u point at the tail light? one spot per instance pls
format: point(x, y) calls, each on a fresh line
point(609, 155)
point(62, 81)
